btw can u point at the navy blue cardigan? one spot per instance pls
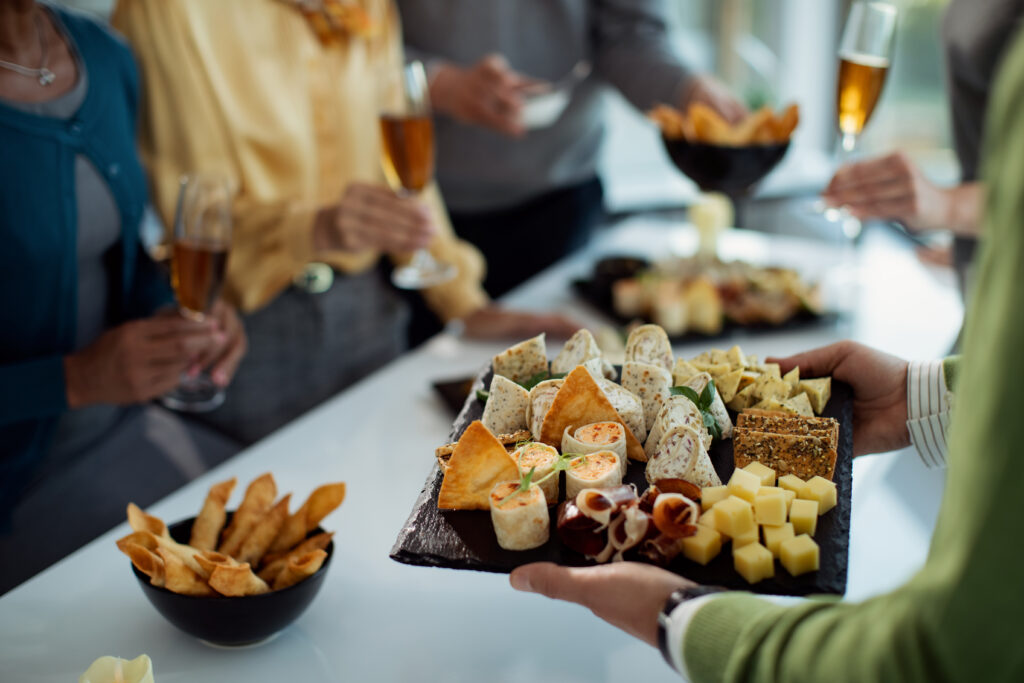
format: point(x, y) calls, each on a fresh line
point(38, 225)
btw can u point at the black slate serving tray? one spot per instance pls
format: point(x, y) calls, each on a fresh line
point(599, 295)
point(464, 539)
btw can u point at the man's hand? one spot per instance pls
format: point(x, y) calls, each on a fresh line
point(137, 361)
point(879, 384)
point(373, 217)
point(894, 188)
point(487, 94)
point(713, 93)
point(492, 322)
point(627, 595)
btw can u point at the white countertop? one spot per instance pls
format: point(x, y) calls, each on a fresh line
point(377, 620)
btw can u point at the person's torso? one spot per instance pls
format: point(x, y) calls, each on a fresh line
point(976, 36)
point(479, 169)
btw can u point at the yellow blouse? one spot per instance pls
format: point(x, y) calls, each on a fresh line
point(246, 87)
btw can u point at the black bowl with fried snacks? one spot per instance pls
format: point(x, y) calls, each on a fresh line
point(717, 168)
point(233, 621)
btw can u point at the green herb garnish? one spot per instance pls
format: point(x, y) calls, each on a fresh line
point(703, 403)
point(524, 485)
point(482, 396)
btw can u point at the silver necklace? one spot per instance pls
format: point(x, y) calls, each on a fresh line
point(42, 74)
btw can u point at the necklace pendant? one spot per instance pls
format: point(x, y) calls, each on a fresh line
point(46, 77)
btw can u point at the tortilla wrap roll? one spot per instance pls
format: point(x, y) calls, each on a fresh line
point(651, 384)
point(682, 456)
point(597, 436)
point(540, 458)
point(541, 398)
point(520, 518)
point(600, 469)
point(580, 348)
point(628, 406)
point(649, 344)
point(522, 361)
point(678, 411)
point(506, 407)
point(697, 383)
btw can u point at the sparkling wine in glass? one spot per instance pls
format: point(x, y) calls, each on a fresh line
point(202, 239)
point(407, 155)
point(865, 52)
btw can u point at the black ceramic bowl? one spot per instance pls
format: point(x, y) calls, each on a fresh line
point(731, 170)
point(233, 621)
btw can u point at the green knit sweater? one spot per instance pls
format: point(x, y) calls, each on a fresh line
point(961, 618)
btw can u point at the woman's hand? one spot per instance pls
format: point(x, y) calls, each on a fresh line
point(137, 361)
point(492, 322)
point(894, 188)
point(627, 595)
point(373, 217)
point(879, 384)
point(713, 93)
point(222, 362)
point(487, 94)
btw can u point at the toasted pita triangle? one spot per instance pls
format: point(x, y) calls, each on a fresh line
point(478, 463)
point(580, 402)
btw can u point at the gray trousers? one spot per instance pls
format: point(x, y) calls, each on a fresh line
point(305, 348)
point(147, 453)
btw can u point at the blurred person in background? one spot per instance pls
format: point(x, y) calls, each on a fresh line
point(282, 95)
point(958, 618)
point(88, 331)
point(976, 37)
point(506, 182)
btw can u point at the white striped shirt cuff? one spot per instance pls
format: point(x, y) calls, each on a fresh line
point(683, 614)
point(928, 408)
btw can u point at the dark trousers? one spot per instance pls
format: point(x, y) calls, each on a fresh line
point(520, 241)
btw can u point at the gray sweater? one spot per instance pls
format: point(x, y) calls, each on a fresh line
point(626, 42)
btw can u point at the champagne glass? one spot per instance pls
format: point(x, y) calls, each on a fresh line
point(865, 53)
point(407, 154)
point(202, 238)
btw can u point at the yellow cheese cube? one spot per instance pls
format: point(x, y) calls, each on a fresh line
point(775, 535)
point(764, 473)
point(770, 507)
point(707, 519)
point(709, 495)
point(790, 496)
point(804, 516)
point(821, 490)
point(734, 516)
point(744, 484)
point(799, 555)
point(703, 546)
point(791, 482)
point(753, 562)
point(751, 536)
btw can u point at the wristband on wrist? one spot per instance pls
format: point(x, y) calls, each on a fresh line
point(674, 600)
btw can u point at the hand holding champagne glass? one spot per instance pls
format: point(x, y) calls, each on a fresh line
point(407, 153)
point(865, 52)
point(202, 238)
